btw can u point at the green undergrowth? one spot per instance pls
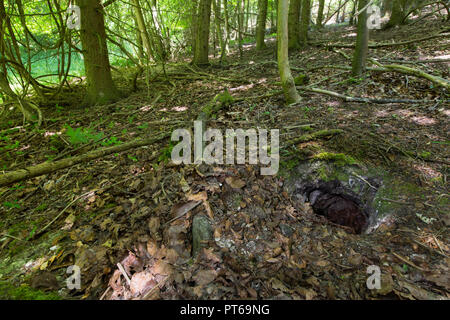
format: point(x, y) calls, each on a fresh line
point(24, 292)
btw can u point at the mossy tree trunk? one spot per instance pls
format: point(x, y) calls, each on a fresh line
point(261, 24)
point(100, 86)
point(294, 23)
point(202, 35)
point(305, 20)
point(362, 40)
point(320, 13)
point(287, 80)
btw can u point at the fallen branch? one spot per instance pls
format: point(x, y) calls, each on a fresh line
point(362, 100)
point(52, 166)
point(413, 72)
point(385, 44)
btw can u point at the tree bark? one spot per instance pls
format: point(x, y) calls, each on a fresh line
point(362, 40)
point(217, 18)
point(398, 13)
point(100, 86)
point(320, 13)
point(202, 37)
point(294, 23)
point(142, 28)
point(287, 81)
point(226, 30)
point(240, 17)
point(305, 20)
point(261, 24)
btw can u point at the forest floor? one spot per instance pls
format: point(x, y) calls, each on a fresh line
point(126, 219)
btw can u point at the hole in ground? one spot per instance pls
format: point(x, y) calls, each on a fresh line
point(337, 204)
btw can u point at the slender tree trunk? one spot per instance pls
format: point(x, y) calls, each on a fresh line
point(261, 24)
point(202, 39)
point(320, 13)
point(247, 16)
point(344, 7)
point(142, 28)
point(287, 81)
point(100, 86)
point(305, 20)
point(226, 31)
point(352, 14)
point(139, 42)
point(241, 7)
point(338, 11)
point(294, 23)
point(362, 40)
point(194, 5)
point(217, 17)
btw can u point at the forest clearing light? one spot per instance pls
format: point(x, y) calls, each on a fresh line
point(212, 153)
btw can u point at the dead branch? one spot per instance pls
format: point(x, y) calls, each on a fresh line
point(362, 100)
point(386, 44)
point(52, 166)
point(413, 72)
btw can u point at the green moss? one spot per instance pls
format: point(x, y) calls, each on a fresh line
point(301, 79)
point(425, 155)
point(24, 292)
point(339, 158)
point(225, 98)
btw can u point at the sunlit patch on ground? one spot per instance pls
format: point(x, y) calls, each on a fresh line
point(423, 121)
point(180, 108)
point(427, 171)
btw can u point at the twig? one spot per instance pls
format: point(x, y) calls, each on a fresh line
point(124, 273)
point(407, 261)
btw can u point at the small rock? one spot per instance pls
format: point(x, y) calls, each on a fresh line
point(286, 230)
point(202, 232)
point(45, 281)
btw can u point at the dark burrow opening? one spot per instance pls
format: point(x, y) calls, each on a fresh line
point(338, 204)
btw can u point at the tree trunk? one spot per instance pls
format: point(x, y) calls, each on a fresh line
point(100, 86)
point(305, 19)
point(142, 28)
point(338, 11)
point(294, 23)
point(217, 17)
point(287, 81)
point(261, 24)
point(320, 13)
point(386, 7)
point(352, 14)
point(202, 37)
point(397, 14)
point(241, 7)
point(226, 30)
point(362, 40)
